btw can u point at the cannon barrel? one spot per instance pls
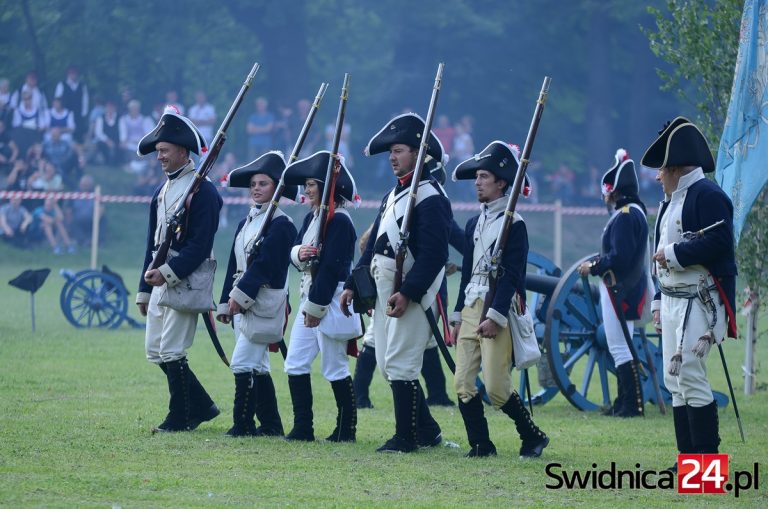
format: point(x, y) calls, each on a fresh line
point(545, 285)
point(540, 283)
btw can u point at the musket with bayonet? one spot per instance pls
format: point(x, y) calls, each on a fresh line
point(175, 223)
point(280, 187)
point(325, 212)
point(405, 227)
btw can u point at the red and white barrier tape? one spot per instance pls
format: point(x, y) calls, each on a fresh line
point(231, 200)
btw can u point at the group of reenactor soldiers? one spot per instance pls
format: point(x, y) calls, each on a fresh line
point(406, 293)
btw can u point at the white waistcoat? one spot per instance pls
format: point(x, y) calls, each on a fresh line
point(484, 238)
point(169, 197)
point(671, 232)
point(247, 234)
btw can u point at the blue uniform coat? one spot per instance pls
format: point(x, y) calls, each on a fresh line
point(199, 229)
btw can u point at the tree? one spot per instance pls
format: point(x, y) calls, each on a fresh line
point(699, 38)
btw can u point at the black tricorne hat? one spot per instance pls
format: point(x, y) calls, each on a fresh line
point(270, 164)
point(406, 129)
point(315, 167)
point(680, 143)
point(175, 128)
point(499, 158)
point(621, 178)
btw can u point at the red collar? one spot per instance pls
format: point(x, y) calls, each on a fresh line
point(406, 179)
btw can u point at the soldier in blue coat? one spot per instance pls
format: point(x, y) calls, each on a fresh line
point(431, 368)
point(324, 254)
point(697, 276)
point(623, 263)
point(170, 332)
point(486, 342)
point(255, 287)
point(401, 329)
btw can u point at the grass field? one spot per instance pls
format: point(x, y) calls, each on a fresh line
point(76, 407)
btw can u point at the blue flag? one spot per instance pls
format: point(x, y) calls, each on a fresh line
point(742, 158)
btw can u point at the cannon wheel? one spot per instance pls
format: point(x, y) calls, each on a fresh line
point(94, 299)
point(575, 341)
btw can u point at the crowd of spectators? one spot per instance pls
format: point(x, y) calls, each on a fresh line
point(47, 145)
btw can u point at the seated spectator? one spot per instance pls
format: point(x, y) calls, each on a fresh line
point(81, 213)
point(29, 123)
point(203, 115)
point(9, 151)
point(18, 178)
point(132, 127)
point(62, 119)
point(45, 178)
point(50, 220)
point(14, 223)
point(106, 134)
point(63, 156)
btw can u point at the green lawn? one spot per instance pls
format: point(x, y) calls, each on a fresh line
point(76, 407)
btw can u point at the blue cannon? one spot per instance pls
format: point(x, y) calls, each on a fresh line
point(92, 298)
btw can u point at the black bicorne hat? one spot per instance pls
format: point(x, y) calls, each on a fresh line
point(315, 167)
point(270, 164)
point(499, 158)
point(621, 178)
point(680, 143)
point(406, 129)
point(175, 128)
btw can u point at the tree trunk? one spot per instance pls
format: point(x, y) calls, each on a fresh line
point(36, 50)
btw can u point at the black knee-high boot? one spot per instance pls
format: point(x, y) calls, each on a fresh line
point(364, 369)
point(270, 423)
point(178, 418)
point(242, 410)
point(534, 440)
point(682, 432)
point(704, 424)
point(346, 412)
point(301, 397)
point(629, 375)
point(405, 395)
point(428, 432)
point(480, 444)
point(434, 379)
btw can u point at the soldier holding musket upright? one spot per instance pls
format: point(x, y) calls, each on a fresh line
point(484, 340)
point(697, 276)
point(401, 328)
point(170, 332)
point(256, 285)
